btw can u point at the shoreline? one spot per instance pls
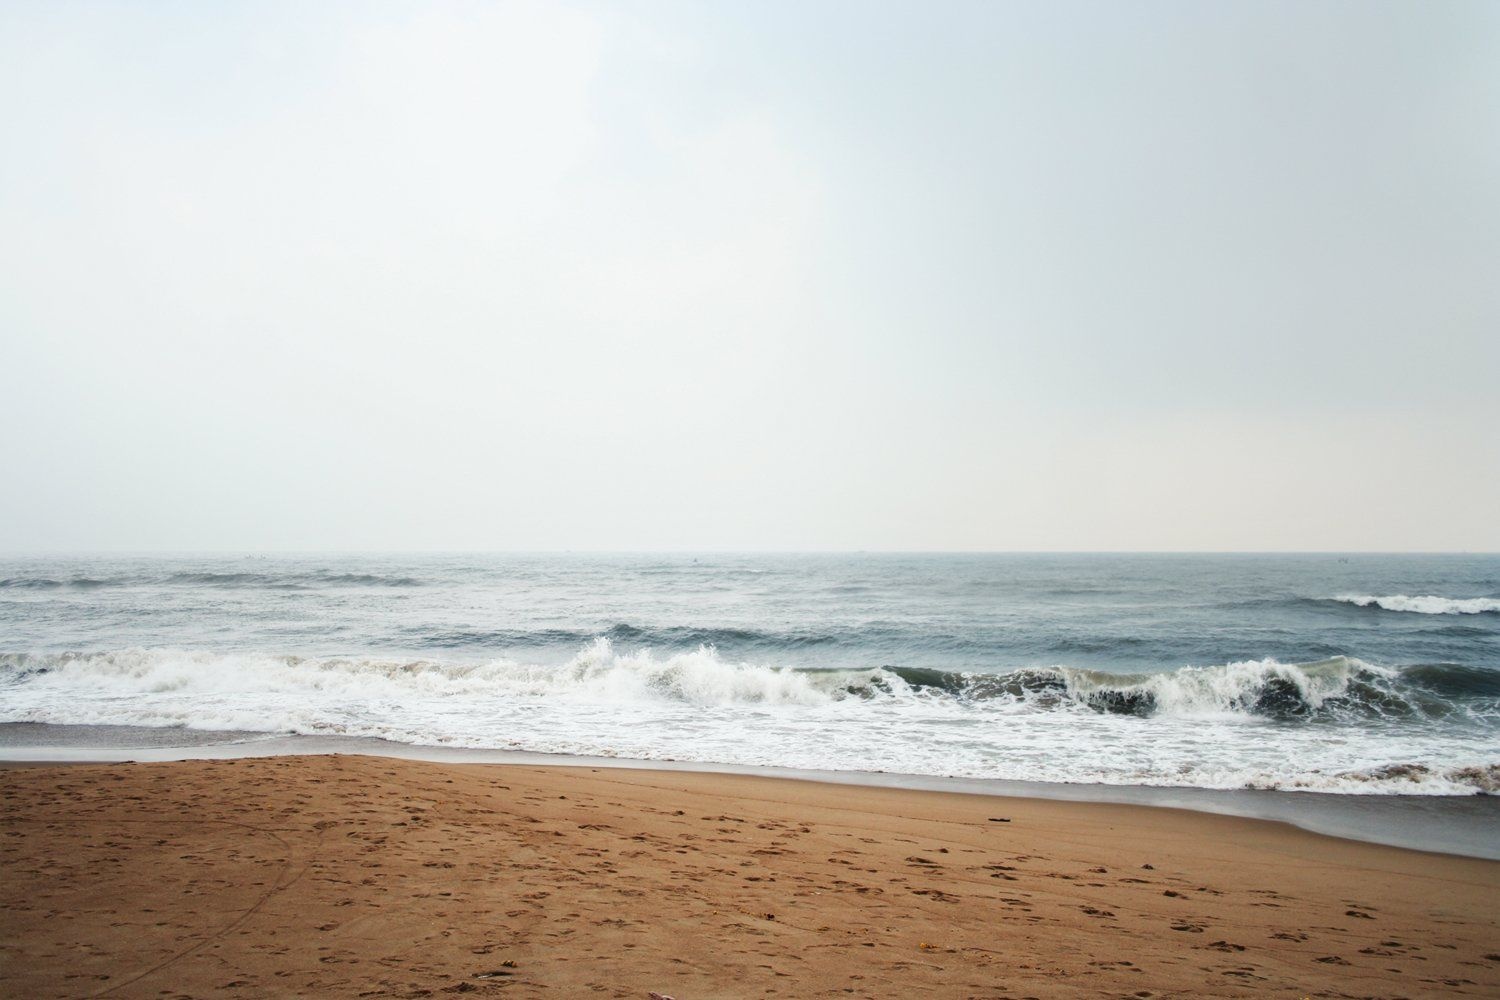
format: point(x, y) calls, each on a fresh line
point(1466, 826)
point(318, 875)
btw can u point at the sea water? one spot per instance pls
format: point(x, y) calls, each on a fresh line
point(1358, 673)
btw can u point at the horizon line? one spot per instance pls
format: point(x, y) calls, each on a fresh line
point(251, 552)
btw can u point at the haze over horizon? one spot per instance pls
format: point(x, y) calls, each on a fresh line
point(742, 277)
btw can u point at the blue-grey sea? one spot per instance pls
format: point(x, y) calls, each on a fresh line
point(1358, 673)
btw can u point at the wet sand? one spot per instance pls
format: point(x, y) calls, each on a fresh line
point(347, 875)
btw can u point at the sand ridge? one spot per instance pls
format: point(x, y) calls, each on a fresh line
point(362, 876)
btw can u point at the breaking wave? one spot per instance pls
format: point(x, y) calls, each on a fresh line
point(1338, 724)
point(1425, 605)
point(1338, 688)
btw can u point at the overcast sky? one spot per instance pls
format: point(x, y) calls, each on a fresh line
point(750, 276)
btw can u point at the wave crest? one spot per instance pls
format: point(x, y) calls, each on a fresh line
point(1336, 689)
point(1339, 689)
point(1425, 605)
point(598, 672)
point(1340, 724)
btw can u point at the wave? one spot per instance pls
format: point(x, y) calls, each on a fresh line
point(268, 581)
point(1483, 778)
point(291, 580)
point(1338, 724)
point(895, 639)
point(678, 636)
point(1335, 689)
point(1425, 605)
point(597, 673)
point(48, 583)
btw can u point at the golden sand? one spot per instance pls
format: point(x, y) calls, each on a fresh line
point(362, 876)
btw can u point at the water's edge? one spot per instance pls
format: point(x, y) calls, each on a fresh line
point(1466, 825)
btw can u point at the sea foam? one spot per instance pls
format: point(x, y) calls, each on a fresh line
point(1338, 724)
point(1425, 605)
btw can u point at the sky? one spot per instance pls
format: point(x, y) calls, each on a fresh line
point(749, 276)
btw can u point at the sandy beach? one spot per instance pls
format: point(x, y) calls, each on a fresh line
point(350, 876)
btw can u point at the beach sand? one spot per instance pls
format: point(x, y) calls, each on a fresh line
point(363, 876)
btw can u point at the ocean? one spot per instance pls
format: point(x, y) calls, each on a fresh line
point(1350, 674)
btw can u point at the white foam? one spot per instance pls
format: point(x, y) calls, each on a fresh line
point(1425, 605)
point(598, 672)
point(698, 705)
point(1228, 691)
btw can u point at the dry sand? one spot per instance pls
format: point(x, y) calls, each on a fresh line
point(358, 876)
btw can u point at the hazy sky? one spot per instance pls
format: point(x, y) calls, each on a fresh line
point(744, 276)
